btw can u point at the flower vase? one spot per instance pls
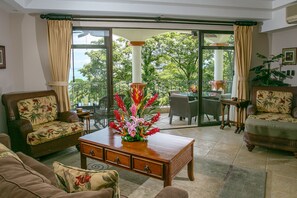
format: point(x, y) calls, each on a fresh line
point(136, 138)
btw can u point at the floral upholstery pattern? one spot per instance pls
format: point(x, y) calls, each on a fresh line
point(72, 179)
point(52, 130)
point(38, 110)
point(5, 152)
point(274, 117)
point(274, 101)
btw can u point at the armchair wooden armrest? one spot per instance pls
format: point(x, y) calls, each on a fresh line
point(251, 110)
point(68, 116)
point(21, 127)
point(294, 112)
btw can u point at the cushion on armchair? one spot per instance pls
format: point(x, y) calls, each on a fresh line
point(38, 110)
point(73, 179)
point(42, 112)
point(52, 130)
point(274, 101)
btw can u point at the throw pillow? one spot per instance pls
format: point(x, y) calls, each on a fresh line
point(274, 101)
point(4, 152)
point(72, 179)
point(38, 110)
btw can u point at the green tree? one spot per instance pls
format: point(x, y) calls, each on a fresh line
point(122, 64)
point(170, 62)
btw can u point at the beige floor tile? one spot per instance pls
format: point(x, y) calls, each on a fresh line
point(283, 184)
point(281, 168)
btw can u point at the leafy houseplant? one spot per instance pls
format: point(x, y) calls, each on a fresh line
point(267, 76)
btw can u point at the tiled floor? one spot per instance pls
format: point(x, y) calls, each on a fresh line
point(226, 146)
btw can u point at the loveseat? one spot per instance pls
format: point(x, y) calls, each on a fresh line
point(36, 125)
point(23, 176)
point(272, 119)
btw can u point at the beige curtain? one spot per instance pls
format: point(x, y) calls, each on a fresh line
point(243, 54)
point(59, 42)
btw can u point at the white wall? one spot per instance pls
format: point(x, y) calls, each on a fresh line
point(24, 38)
point(285, 38)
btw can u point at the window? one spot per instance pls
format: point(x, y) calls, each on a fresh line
point(90, 64)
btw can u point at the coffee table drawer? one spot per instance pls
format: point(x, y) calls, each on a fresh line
point(148, 167)
point(118, 158)
point(91, 151)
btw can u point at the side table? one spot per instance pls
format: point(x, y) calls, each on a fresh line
point(240, 105)
point(84, 116)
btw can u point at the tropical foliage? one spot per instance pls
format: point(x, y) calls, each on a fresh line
point(136, 122)
point(267, 76)
point(170, 62)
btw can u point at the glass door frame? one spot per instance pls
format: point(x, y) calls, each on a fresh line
point(109, 64)
point(201, 34)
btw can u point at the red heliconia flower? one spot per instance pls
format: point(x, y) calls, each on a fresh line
point(120, 102)
point(153, 131)
point(146, 123)
point(137, 95)
point(151, 101)
point(117, 115)
point(114, 126)
point(155, 118)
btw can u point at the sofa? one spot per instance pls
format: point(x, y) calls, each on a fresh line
point(36, 125)
point(272, 119)
point(25, 177)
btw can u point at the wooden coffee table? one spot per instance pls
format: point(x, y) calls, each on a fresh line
point(161, 157)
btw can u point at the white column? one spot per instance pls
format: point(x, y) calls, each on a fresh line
point(218, 64)
point(136, 61)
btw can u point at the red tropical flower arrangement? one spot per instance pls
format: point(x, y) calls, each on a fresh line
point(136, 123)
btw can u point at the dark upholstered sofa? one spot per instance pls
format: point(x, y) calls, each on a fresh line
point(23, 176)
point(272, 119)
point(35, 124)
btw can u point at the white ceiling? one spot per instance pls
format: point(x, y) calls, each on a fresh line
point(256, 10)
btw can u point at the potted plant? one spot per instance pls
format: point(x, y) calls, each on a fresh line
point(267, 76)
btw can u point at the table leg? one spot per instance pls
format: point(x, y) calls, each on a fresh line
point(88, 124)
point(238, 120)
point(191, 170)
point(228, 116)
point(241, 125)
point(83, 161)
point(167, 181)
point(223, 113)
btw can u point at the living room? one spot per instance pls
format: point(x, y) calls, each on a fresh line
point(24, 35)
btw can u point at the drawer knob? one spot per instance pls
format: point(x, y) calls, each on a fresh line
point(147, 169)
point(92, 152)
point(117, 160)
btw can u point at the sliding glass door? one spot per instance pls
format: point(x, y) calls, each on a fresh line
point(216, 66)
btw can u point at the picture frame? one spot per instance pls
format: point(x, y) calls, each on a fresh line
point(2, 57)
point(289, 56)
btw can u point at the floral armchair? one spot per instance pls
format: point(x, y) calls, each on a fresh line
point(272, 118)
point(35, 125)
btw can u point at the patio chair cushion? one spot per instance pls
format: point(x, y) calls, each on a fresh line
point(38, 110)
point(274, 101)
point(72, 179)
point(53, 130)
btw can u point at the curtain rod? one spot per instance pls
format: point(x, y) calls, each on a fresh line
point(130, 19)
